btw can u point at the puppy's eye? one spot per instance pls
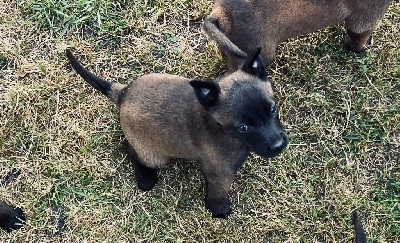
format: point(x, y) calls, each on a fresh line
point(243, 128)
point(274, 110)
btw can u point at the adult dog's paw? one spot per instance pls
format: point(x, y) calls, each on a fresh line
point(220, 208)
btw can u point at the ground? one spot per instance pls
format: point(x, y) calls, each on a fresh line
point(341, 111)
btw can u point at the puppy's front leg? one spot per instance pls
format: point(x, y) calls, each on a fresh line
point(218, 179)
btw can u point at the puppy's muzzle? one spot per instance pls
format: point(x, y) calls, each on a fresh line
point(279, 144)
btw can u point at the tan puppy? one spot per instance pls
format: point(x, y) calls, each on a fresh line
point(239, 26)
point(217, 123)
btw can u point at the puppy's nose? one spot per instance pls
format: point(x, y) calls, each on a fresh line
point(278, 145)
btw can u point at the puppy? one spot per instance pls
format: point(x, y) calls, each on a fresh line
point(215, 122)
point(11, 218)
point(239, 26)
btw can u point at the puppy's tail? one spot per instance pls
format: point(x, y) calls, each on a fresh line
point(211, 26)
point(358, 230)
point(110, 89)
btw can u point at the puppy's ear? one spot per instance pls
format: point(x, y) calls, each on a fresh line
point(207, 92)
point(254, 65)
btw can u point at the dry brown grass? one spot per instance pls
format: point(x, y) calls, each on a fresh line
point(341, 111)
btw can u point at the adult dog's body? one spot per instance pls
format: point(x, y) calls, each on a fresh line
point(238, 26)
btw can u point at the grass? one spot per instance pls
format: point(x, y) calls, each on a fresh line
point(60, 16)
point(341, 110)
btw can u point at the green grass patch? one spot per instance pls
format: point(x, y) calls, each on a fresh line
point(91, 16)
point(389, 198)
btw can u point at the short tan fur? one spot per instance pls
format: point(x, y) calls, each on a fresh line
point(238, 26)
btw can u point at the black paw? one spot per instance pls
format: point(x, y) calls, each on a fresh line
point(11, 218)
point(354, 47)
point(220, 208)
point(146, 178)
point(146, 184)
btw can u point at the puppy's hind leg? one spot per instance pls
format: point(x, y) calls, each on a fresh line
point(146, 178)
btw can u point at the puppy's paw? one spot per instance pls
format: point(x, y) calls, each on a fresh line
point(146, 178)
point(11, 218)
point(146, 185)
point(220, 208)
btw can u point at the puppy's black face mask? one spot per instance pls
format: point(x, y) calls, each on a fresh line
point(246, 110)
point(256, 123)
